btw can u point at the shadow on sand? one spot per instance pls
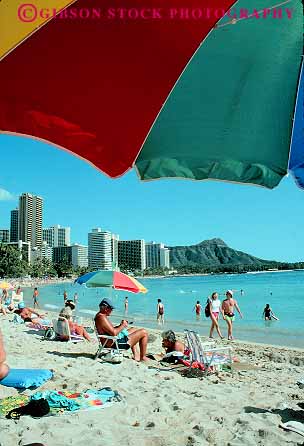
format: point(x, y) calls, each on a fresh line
point(73, 355)
point(285, 414)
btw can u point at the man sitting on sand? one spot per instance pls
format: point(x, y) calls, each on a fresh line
point(4, 369)
point(132, 336)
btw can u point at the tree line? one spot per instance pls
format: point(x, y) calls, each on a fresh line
point(12, 265)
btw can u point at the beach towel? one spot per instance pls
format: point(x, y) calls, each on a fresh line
point(294, 426)
point(61, 401)
point(11, 402)
point(65, 402)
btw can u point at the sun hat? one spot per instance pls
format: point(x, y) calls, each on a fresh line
point(107, 302)
point(229, 292)
point(21, 305)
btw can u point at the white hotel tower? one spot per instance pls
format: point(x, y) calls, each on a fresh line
point(100, 249)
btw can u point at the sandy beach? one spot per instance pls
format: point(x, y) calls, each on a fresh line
point(158, 408)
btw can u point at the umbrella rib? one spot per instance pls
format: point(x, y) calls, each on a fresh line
point(234, 21)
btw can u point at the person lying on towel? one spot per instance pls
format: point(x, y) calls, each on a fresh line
point(171, 344)
point(31, 315)
point(130, 337)
point(4, 369)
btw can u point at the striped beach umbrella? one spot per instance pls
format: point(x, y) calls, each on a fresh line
point(175, 91)
point(111, 279)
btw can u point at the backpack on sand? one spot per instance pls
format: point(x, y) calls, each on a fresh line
point(207, 308)
point(49, 334)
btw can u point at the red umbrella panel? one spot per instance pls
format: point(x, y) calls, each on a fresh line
point(94, 85)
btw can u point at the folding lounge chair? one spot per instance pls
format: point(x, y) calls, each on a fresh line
point(62, 330)
point(103, 339)
point(205, 355)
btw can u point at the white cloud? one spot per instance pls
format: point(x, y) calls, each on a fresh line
point(5, 195)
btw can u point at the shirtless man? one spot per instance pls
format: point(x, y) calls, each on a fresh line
point(30, 314)
point(132, 336)
point(228, 306)
point(4, 369)
point(35, 298)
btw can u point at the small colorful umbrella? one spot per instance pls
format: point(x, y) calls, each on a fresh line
point(6, 286)
point(111, 279)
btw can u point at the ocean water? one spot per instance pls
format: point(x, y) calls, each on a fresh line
point(284, 291)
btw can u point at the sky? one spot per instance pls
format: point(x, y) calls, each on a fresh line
point(265, 223)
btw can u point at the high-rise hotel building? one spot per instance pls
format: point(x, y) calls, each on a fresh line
point(57, 236)
point(100, 249)
point(14, 226)
point(30, 219)
point(157, 255)
point(132, 254)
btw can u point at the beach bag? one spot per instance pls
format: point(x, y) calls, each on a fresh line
point(207, 308)
point(49, 334)
point(35, 408)
point(113, 357)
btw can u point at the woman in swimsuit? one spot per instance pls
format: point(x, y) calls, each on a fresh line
point(215, 310)
point(268, 314)
point(160, 312)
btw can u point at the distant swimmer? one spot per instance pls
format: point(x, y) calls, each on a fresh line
point(160, 312)
point(126, 305)
point(198, 309)
point(268, 314)
point(65, 296)
point(242, 292)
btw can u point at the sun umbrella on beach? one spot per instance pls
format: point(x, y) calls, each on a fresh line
point(174, 97)
point(6, 286)
point(111, 279)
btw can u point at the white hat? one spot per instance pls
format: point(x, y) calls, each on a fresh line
point(229, 292)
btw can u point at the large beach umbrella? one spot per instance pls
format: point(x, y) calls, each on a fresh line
point(202, 101)
point(111, 279)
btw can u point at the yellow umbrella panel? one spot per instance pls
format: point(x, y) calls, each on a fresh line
point(19, 20)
